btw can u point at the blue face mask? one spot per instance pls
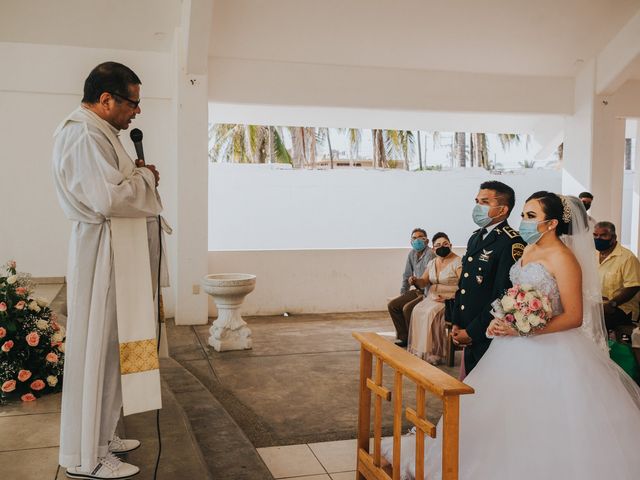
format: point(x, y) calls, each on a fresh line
point(529, 231)
point(481, 215)
point(418, 244)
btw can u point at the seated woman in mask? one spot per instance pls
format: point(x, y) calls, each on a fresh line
point(427, 335)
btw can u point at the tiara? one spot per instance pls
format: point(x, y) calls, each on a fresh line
point(566, 210)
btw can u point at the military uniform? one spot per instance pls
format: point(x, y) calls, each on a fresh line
point(484, 278)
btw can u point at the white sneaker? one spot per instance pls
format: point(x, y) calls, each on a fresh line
point(109, 467)
point(122, 445)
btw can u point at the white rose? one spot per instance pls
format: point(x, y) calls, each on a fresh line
point(12, 279)
point(508, 303)
point(57, 337)
point(519, 316)
point(546, 306)
point(528, 297)
point(33, 306)
point(535, 320)
point(42, 324)
point(52, 380)
point(526, 287)
point(42, 302)
point(524, 327)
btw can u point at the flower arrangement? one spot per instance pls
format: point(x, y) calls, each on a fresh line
point(524, 308)
point(31, 341)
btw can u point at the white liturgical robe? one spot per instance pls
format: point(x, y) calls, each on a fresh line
point(99, 189)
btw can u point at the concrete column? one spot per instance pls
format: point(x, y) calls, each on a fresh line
point(191, 249)
point(635, 207)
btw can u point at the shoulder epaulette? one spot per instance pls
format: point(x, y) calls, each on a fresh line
point(511, 233)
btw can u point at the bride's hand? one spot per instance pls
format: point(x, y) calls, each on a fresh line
point(499, 328)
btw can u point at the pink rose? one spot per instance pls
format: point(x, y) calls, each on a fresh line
point(54, 324)
point(520, 296)
point(535, 304)
point(3, 332)
point(3, 307)
point(20, 305)
point(12, 264)
point(510, 318)
point(8, 345)
point(8, 386)
point(37, 385)
point(28, 397)
point(512, 292)
point(24, 375)
point(21, 290)
point(33, 339)
point(52, 357)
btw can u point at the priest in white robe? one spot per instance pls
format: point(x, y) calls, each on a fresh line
point(97, 181)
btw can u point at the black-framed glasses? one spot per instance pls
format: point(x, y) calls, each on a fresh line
point(134, 103)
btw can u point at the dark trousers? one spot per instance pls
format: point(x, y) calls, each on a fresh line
point(400, 309)
point(617, 318)
point(472, 355)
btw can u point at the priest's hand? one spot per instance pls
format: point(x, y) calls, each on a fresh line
point(140, 163)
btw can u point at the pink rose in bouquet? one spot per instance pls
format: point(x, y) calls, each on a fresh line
point(3, 332)
point(52, 357)
point(524, 308)
point(28, 397)
point(6, 346)
point(37, 385)
point(3, 307)
point(33, 339)
point(8, 386)
point(24, 375)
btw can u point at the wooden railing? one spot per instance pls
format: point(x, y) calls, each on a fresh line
point(426, 378)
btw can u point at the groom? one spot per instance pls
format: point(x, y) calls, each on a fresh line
point(491, 251)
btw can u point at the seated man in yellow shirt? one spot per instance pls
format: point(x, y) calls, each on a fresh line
point(619, 271)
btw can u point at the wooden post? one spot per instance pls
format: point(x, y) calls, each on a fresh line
point(364, 409)
point(420, 400)
point(451, 430)
point(377, 418)
point(397, 423)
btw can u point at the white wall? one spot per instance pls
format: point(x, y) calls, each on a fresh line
point(258, 207)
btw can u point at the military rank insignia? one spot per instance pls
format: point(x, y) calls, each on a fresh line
point(484, 256)
point(517, 249)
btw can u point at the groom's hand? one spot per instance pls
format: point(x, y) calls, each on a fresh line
point(460, 336)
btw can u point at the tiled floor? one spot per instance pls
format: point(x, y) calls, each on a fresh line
point(33, 454)
point(312, 461)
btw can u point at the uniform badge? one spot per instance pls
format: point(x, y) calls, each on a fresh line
point(484, 256)
point(479, 279)
point(517, 249)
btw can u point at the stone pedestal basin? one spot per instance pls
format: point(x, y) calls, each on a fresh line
point(229, 331)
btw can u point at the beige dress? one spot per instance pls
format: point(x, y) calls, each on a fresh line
point(427, 336)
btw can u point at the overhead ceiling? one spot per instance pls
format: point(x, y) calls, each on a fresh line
point(524, 37)
point(112, 24)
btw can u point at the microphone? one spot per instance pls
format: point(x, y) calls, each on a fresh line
point(136, 138)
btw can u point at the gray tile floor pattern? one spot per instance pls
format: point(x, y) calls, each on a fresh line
point(299, 383)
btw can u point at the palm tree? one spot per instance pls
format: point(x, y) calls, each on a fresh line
point(401, 143)
point(304, 141)
point(379, 149)
point(355, 139)
point(236, 143)
point(460, 149)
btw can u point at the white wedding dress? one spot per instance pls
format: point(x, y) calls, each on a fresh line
point(546, 407)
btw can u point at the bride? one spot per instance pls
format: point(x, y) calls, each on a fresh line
point(551, 405)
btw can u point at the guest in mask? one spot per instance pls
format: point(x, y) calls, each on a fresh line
point(427, 333)
point(491, 252)
point(619, 271)
point(587, 199)
point(400, 308)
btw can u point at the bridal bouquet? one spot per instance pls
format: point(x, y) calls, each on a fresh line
point(524, 308)
point(31, 341)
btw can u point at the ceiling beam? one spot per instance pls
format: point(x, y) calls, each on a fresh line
point(196, 21)
point(615, 62)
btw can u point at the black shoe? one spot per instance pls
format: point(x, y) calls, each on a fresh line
point(401, 343)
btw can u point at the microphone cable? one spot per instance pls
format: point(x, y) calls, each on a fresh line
point(159, 303)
